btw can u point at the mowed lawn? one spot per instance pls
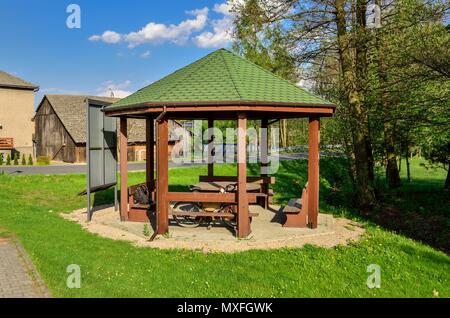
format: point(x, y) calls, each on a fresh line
point(30, 208)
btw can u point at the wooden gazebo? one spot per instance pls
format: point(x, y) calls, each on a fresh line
point(220, 86)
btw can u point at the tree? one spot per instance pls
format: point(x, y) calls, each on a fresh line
point(390, 83)
point(392, 172)
point(354, 86)
point(8, 160)
point(30, 160)
point(16, 159)
point(436, 149)
point(313, 32)
point(264, 45)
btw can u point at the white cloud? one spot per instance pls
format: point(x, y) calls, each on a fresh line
point(224, 8)
point(220, 37)
point(146, 55)
point(307, 84)
point(222, 28)
point(158, 32)
point(109, 37)
point(118, 89)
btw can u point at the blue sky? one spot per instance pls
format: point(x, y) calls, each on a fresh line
point(121, 45)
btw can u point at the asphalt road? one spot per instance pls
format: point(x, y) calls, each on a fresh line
point(81, 168)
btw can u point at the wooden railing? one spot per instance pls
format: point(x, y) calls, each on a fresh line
point(6, 143)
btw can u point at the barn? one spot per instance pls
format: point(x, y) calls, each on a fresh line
point(60, 129)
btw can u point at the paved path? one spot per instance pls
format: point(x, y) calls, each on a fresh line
point(132, 166)
point(18, 277)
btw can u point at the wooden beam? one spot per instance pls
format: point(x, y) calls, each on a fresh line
point(200, 111)
point(123, 144)
point(212, 197)
point(162, 178)
point(243, 224)
point(313, 171)
point(250, 179)
point(150, 154)
point(210, 147)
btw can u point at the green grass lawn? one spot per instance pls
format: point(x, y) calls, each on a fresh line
point(30, 207)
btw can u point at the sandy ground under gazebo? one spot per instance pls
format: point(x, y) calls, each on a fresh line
point(267, 233)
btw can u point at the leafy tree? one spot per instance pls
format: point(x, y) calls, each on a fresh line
point(436, 149)
point(390, 83)
point(265, 45)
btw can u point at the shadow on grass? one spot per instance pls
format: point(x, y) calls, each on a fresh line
point(419, 210)
point(423, 216)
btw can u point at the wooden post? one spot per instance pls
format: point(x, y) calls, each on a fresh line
point(123, 143)
point(150, 148)
point(243, 224)
point(162, 177)
point(210, 148)
point(313, 171)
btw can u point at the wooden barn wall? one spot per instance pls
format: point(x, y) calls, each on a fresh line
point(50, 136)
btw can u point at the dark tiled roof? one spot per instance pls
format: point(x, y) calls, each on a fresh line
point(71, 110)
point(10, 81)
point(221, 77)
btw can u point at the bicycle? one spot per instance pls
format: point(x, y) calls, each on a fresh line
point(215, 209)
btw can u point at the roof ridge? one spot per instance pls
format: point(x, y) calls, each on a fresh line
point(229, 72)
point(275, 75)
point(81, 95)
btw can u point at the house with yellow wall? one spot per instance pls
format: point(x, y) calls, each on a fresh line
point(16, 114)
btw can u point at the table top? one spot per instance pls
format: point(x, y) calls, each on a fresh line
point(215, 186)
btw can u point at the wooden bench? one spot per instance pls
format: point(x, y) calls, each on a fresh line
point(139, 212)
point(296, 211)
point(207, 214)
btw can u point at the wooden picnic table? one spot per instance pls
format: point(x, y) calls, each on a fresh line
point(215, 186)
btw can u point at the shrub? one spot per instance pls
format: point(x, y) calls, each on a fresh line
point(8, 160)
point(30, 160)
point(146, 230)
point(24, 161)
point(16, 159)
point(43, 161)
point(1, 159)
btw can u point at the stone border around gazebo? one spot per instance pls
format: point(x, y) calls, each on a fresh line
point(220, 86)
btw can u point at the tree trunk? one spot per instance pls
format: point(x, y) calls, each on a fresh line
point(283, 133)
point(361, 44)
point(392, 172)
point(408, 169)
point(447, 181)
point(365, 191)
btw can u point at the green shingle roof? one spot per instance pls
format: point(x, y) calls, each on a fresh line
point(221, 76)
